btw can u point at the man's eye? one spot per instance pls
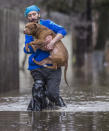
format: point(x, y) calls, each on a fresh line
point(29, 15)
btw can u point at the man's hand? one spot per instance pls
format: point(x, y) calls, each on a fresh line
point(49, 42)
point(50, 46)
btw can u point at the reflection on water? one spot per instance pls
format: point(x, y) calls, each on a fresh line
point(54, 121)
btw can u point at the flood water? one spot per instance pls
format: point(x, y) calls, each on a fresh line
point(87, 106)
point(87, 102)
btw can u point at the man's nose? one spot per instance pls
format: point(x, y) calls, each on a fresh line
point(32, 16)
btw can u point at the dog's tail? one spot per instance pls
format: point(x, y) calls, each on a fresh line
point(65, 73)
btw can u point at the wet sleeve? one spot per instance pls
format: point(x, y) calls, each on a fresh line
point(57, 28)
point(28, 39)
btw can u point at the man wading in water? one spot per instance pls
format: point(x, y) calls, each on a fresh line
point(46, 81)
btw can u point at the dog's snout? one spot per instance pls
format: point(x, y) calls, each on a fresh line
point(24, 31)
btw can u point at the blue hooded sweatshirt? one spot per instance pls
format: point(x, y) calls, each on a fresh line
point(39, 55)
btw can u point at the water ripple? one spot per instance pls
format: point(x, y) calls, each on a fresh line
point(21, 103)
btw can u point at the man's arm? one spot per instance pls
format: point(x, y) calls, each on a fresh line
point(59, 30)
point(53, 41)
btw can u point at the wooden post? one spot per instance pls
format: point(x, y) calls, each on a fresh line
point(9, 60)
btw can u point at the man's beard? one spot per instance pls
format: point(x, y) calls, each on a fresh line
point(35, 20)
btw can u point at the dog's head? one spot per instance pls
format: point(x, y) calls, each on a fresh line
point(30, 28)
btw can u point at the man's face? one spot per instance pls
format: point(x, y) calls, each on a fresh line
point(33, 16)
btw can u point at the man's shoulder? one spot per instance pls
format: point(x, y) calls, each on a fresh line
point(42, 21)
point(49, 22)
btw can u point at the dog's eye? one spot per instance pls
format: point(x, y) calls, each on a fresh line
point(30, 28)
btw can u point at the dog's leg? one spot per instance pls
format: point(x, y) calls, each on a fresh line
point(54, 66)
point(34, 47)
point(35, 44)
point(27, 49)
point(43, 62)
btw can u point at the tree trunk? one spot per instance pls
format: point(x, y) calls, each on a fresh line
point(9, 66)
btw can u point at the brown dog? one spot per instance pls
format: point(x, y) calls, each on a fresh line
point(58, 56)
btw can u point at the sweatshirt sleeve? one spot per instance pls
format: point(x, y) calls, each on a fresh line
point(28, 39)
point(56, 28)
